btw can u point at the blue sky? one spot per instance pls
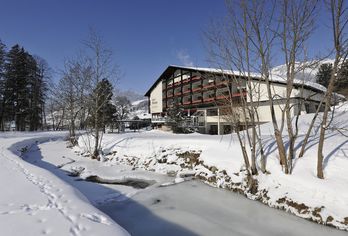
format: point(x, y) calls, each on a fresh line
point(146, 36)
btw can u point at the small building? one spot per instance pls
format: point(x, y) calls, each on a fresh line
point(201, 94)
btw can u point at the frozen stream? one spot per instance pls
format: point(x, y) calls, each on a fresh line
point(194, 208)
point(188, 208)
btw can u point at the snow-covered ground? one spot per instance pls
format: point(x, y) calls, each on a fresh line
point(145, 185)
point(218, 161)
point(162, 208)
point(34, 201)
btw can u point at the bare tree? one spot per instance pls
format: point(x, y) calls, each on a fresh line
point(101, 64)
point(297, 24)
point(339, 19)
point(123, 106)
point(246, 43)
point(230, 48)
point(73, 90)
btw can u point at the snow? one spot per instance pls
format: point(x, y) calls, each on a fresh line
point(140, 109)
point(158, 151)
point(50, 191)
point(136, 103)
point(180, 208)
point(38, 202)
point(306, 77)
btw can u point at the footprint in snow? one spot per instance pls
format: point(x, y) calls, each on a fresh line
point(43, 220)
point(96, 218)
point(46, 231)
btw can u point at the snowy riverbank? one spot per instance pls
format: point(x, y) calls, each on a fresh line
point(217, 160)
point(187, 208)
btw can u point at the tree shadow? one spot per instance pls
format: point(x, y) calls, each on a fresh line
point(150, 224)
point(335, 150)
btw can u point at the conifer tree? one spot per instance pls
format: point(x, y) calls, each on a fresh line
point(324, 74)
point(102, 95)
point(16, 89)
point(341, 85)
point(24, 89)
point(2, 81)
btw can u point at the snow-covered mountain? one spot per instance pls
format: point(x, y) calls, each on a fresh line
point(307, 74)
point(140, 109)
point(130, 94)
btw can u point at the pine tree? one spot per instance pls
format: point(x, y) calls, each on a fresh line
point(324, 73)
point(102, 96)
point(341, 85)
point(16, 89)
point(2, 83)
point(23, 90)
point(35, 94)
point(176, 117)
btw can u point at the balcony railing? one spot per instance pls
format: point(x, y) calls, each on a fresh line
point(186, 91)
point(196, 88)
point(158, 119)
point(208, 99)
point(194, 78)
point(197, 101)
point(207, 86)
point(222, 84)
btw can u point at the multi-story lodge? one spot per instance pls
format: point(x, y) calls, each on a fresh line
point(202, 92)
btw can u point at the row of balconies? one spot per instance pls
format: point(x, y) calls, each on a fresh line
point(197, 81)
point(221, 91)
point(185, 80)
point(207, 97)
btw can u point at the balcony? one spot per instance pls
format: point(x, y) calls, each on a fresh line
point(222, 84)
point(226, 95)
point(240, 94)
point(195, 78)
point(196, 101)
point(197, 88)
point(185, 81)
point(186, 91)
point(209, 99)
point(208, 86)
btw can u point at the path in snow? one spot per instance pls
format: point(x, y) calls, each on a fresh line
point(35, 202)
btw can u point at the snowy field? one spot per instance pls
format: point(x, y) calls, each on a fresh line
point(146, 185)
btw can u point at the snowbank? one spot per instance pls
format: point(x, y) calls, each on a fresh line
point(217, 160)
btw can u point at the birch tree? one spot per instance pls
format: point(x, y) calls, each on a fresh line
point(254, 32)
point(339, 20)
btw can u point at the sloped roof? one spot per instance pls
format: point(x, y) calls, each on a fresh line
point(274, 78)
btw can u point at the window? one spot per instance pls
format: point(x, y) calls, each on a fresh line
point(212, 112)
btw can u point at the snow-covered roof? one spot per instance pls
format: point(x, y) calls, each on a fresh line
point(276, 77)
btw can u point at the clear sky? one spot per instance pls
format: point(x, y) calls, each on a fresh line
point(146, 35)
